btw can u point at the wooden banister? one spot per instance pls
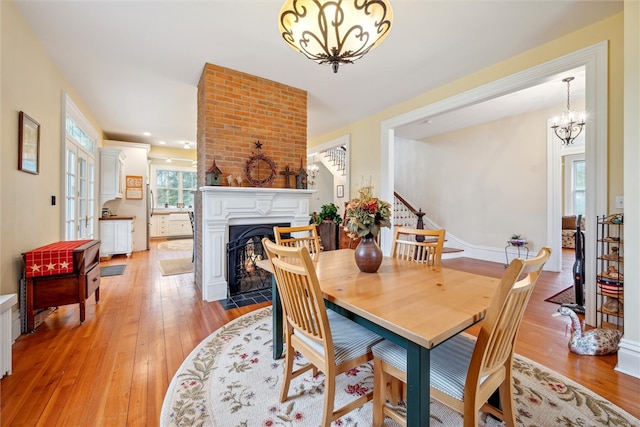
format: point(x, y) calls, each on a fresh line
point(404, 202)
point(418, 213)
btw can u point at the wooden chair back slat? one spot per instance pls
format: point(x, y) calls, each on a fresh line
point(490, 367)
point(302, 301)
point(299, 236)
point(307, 327)
point(429, 251)
point(503, 317)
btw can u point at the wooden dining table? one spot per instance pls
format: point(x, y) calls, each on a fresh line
point(415, 306)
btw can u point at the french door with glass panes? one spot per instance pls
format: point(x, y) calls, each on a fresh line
point(79, 193)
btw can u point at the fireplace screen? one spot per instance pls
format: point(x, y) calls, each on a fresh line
point(243, 251)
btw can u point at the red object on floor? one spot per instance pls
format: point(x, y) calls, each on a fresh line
point(56, 258)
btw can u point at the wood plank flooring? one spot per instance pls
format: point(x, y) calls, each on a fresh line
point(114, 369)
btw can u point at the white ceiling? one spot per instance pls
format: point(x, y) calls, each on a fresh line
point(543, 96)
point(136, 64)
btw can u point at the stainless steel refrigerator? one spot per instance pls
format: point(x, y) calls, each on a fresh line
point(150, 205)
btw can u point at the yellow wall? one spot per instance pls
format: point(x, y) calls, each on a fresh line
point(32, 83)
point(365, 134)
point(174, 153)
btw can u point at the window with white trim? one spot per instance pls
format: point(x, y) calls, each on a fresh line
point(575, 173)
point(173, 186)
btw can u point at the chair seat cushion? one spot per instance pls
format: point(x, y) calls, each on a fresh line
point(350, 340)
point(449, 362)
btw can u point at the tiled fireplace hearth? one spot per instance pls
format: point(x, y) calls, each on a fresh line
point(223, 207)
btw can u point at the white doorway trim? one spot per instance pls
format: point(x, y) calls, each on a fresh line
point(340, 141)
point(595, 61)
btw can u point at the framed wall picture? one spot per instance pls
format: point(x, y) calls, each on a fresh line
point(134, 187)
point(28, 144)
point(340, 191)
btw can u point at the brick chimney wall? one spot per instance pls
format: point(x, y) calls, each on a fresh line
point(235, 110)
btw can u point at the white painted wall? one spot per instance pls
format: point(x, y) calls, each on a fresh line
point(458, 173)
point(324, 189)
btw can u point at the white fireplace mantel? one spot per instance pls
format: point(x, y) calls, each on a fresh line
point(225, 206)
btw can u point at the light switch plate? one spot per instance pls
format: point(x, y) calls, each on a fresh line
point(620, 202)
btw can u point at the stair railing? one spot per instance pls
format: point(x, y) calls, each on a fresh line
point(405, 215)
point(338, 158)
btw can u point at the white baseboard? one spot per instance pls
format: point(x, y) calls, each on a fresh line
point(16, 326)
point(629, 358)
point(450, 255)
point(483, 253)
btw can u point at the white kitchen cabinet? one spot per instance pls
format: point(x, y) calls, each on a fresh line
point(153, 226)
point(111, 174)
point(179, 225)
point(116, 236)
point(159, 226)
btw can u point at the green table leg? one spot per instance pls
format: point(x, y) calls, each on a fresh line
point(276, 319)
point(418, 385)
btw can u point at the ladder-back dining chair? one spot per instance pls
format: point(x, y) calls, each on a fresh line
point(298, 236)
point(428, 251)
point(329, 342)
point(465, 372)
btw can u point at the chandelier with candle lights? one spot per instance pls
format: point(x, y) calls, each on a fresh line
point(569, 125)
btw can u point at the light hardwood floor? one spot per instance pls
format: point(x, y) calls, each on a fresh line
point(114, 369)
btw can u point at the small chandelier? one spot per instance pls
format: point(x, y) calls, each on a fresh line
point(569, 126)
point(335, 32)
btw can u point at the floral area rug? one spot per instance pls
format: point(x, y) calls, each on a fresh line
point(231, 379)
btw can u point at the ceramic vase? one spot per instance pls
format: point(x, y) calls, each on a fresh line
point(368, 254)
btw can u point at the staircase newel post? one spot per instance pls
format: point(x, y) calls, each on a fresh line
point(420, 224)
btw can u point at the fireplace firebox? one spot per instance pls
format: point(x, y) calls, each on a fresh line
point(243, 251)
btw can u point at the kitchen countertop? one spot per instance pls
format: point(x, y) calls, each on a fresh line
point(117, 217)
point(170, 211)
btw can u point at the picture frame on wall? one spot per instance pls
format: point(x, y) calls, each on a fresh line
point(133, 187)
point(340, 191)
point(28, 144)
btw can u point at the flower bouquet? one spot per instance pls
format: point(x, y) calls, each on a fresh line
point(365, 216)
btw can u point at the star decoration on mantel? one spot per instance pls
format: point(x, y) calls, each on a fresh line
point(51, 266)
point(253, 166)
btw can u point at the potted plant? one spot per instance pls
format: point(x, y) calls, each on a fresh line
point(517, 240)
point(329, 212)
point(328, 222)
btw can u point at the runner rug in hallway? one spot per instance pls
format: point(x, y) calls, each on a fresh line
point(169, 267)
point(176, 245)
point(566, 296)
point(112, 270)
point(230, 379)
